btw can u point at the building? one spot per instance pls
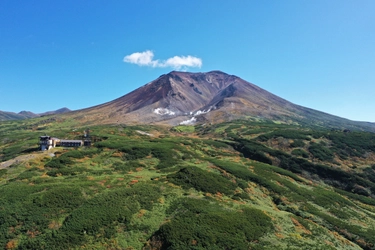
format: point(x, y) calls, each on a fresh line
point(47, 142)
point(71, 143)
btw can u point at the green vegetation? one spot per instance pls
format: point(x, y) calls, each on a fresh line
point(192, 177)
point(300, 152)
point(236, 185)
point(297, 143)
point(321, 152)
point(199, 224)
point(184, 128)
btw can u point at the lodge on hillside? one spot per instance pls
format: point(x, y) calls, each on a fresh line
point(47, 142)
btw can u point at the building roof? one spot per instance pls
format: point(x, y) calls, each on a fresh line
point(72, 141)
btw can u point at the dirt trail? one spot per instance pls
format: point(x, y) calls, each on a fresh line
point(22, 158)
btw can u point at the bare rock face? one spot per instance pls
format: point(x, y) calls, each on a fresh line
point(180, 96)
point(178, 92)
point(187, 98)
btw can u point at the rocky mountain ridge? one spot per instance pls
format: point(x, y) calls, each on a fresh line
point(212, 97)
point(190, 98)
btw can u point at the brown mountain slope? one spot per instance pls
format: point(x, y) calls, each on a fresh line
point(212, 97)
point(180, 92)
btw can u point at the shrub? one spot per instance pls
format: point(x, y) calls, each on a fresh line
point(192, 177)
point(297, 144)
point(242, 172)
point(28, 174)
point(167, 157)
point(287, 133)
point(102, 213)
point(62, 197)
point(243, 196)
point(253, 150)
point(59, 162)
point(135, 153)
point(321, 152)
point(184, 128)
point(126, 166)
point(74, 154)
point(216, 144)
point(66, 171)
point(198, 224)
point(300, 152)
point(3, 172)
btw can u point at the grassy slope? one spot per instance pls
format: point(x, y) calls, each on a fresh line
point(187, 188)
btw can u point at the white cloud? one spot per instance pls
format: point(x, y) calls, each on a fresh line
point(177, 62)
point(141, 58)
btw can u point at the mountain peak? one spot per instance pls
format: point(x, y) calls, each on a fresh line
point(184, 73)
point(215, 96)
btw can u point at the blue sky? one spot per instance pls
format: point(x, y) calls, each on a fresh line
point(319, 54)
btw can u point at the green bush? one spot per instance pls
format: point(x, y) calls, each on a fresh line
point(28, 174)
point(270, 168)
point(3, 172)
point(167, 157)
point(300, 152)
point(369, 173)
point(74, 154)
point(19, 210)
point(297, 143)
point(66, 171)
point(321, 152)
point(287, 133)
point(328, 199)
point(252, 150)
point(363, 199)
point(216, 144)
point(61, 197)
point(244, 173)
point(59, 162)
point(136, 153)
point(198, 224)
point(201, 180)
point(164, 150)
point(101, 214)
point(126, 166)
point(243, 196)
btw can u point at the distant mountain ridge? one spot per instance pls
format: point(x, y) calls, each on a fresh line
point(186, 98)
point(190, 98)
point(58, 111)
point(4, 115)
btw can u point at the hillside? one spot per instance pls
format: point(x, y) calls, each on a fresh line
point(212, 97)
point(252, 184)
point(198, 98)
point(6, 116)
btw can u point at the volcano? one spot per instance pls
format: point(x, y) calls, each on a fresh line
point(212, 97)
